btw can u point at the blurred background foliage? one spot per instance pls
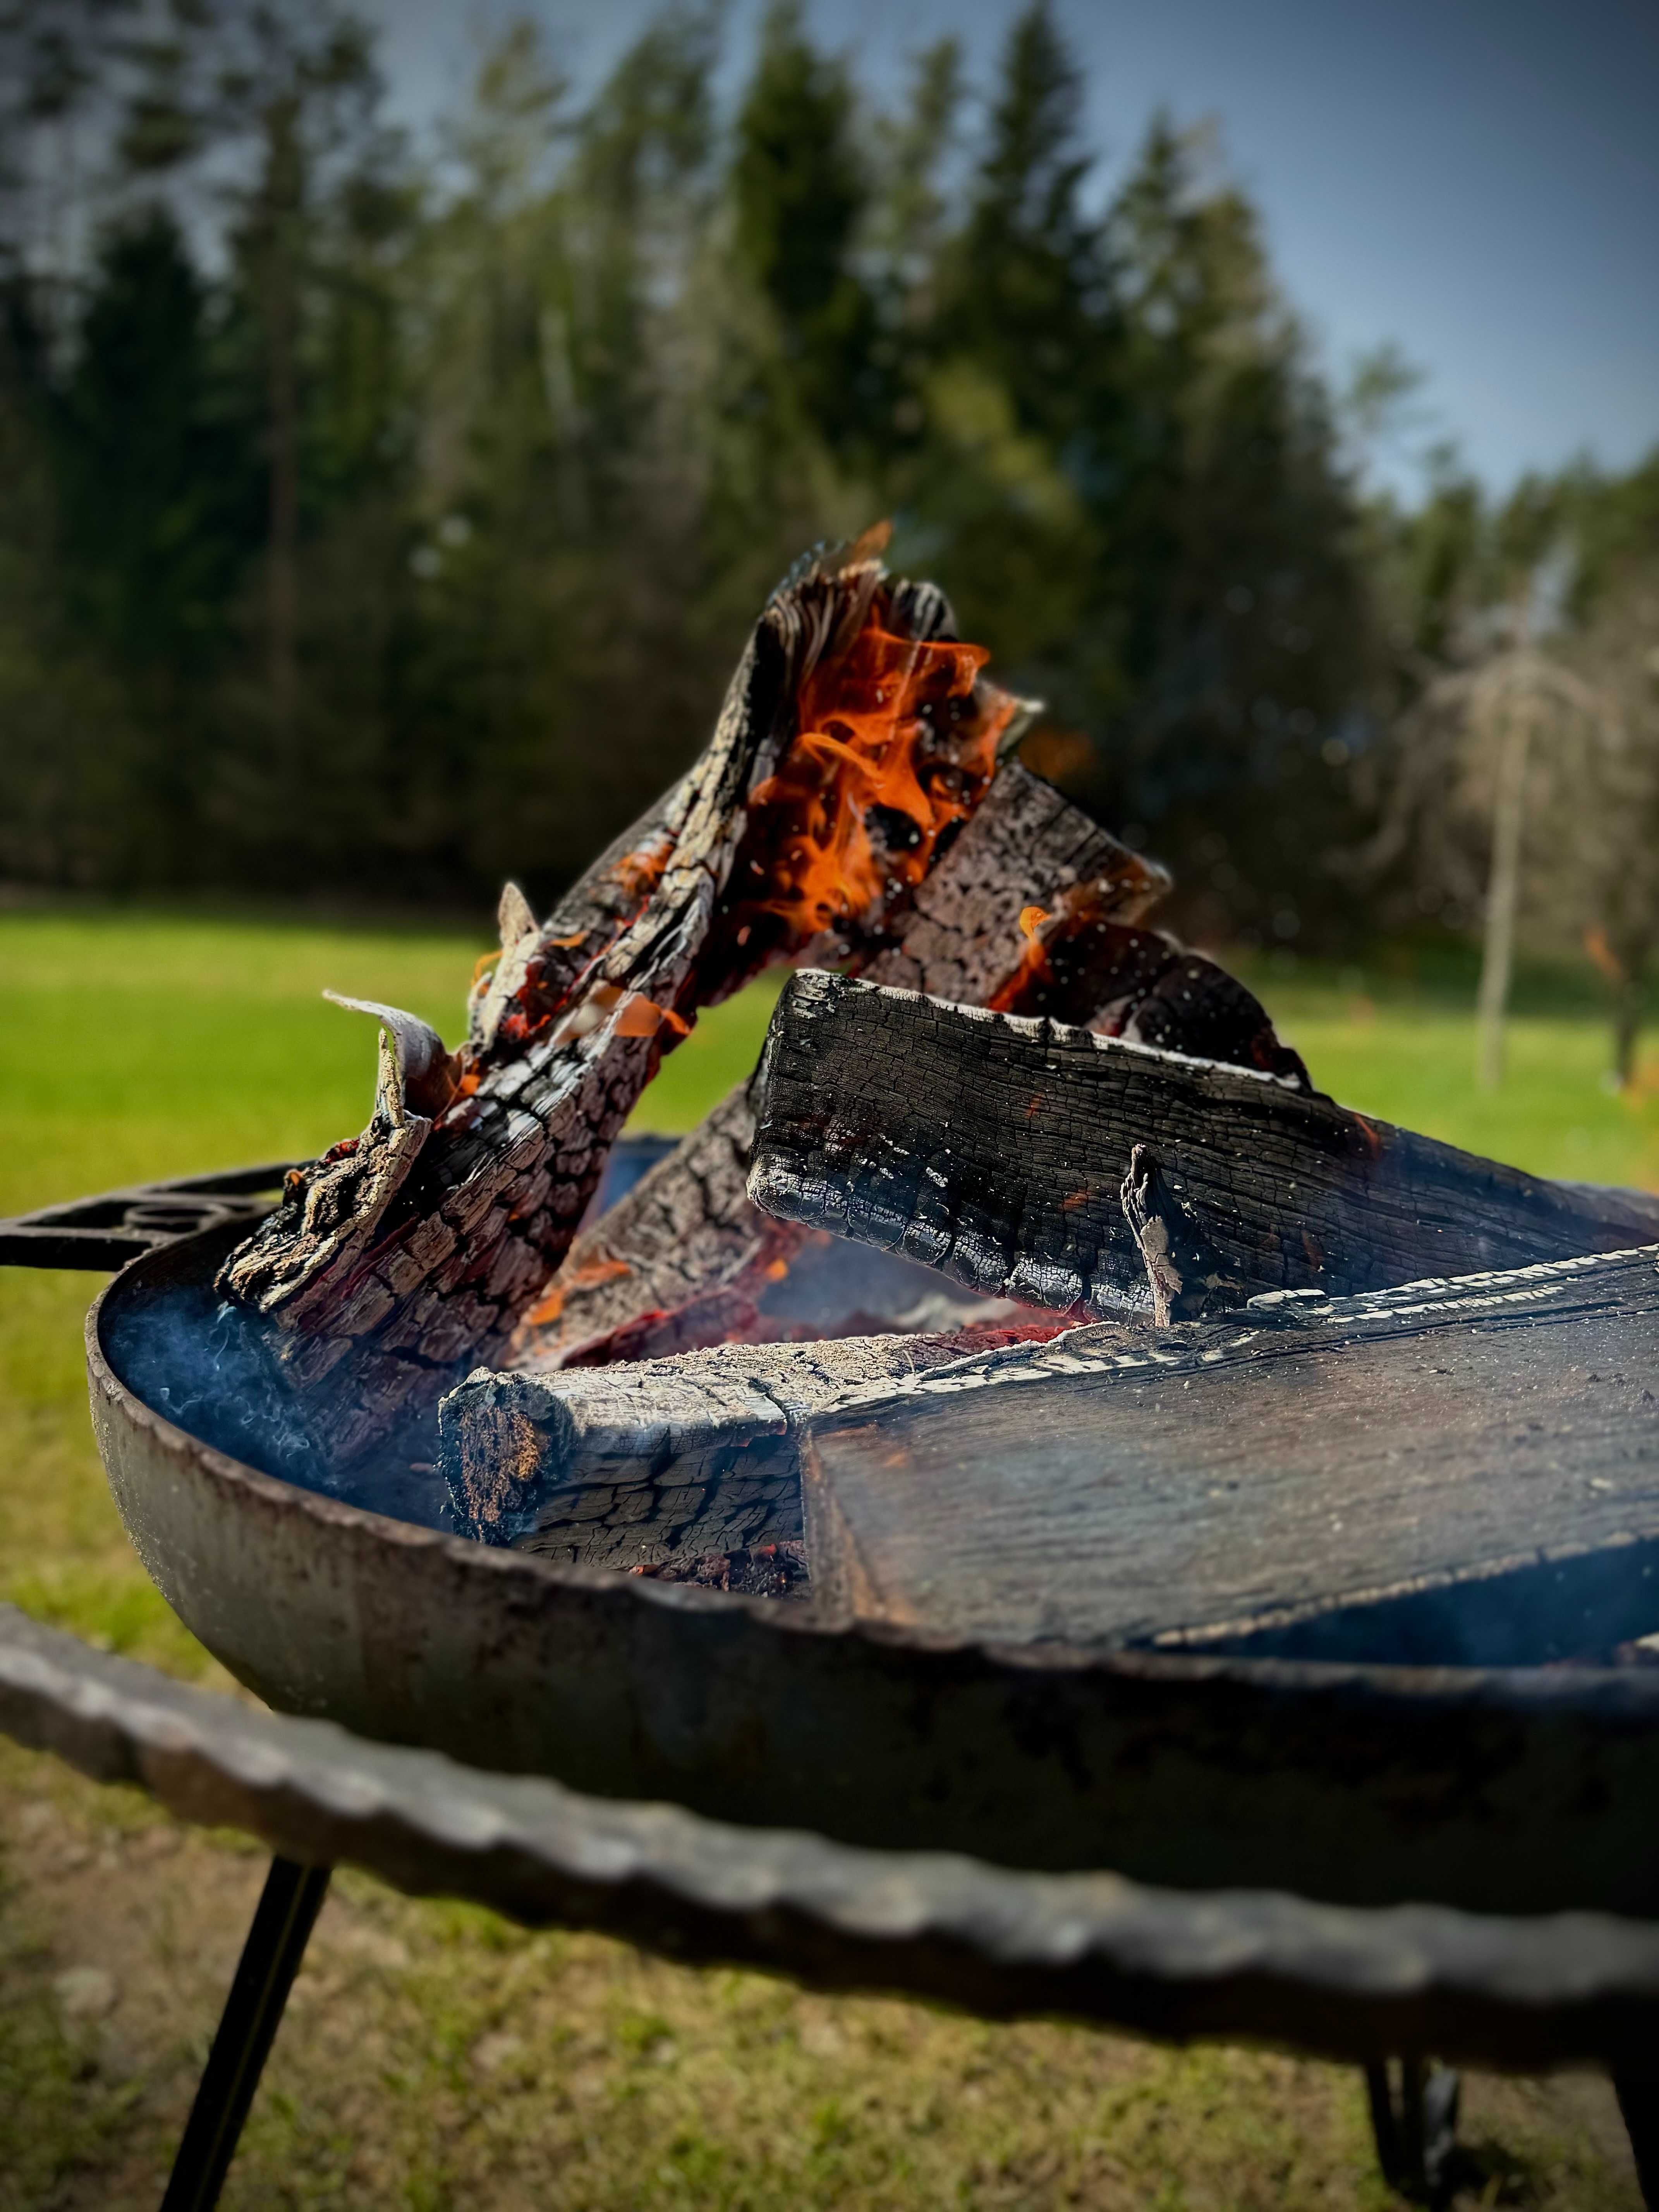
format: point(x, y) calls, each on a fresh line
point(383, 519)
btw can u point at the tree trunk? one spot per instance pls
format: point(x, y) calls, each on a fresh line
point(1627, 1014)
point(1503, 893)
point(282, 214)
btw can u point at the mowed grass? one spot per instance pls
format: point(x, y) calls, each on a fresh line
point(436, 2058)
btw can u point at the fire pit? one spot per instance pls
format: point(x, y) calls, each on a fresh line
point(1031, 1422)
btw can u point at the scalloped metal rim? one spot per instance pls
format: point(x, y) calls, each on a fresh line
point(1348, 1982)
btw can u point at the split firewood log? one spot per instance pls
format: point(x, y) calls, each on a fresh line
point(857, 733)
point(1187, 1278)
point(994, 1147)
point(1035, 905)
point(643, 1462)
point(1450, 1472)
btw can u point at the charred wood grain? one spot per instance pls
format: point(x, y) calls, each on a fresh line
point(993, 1148)
point(685, 1260)
point(1451, 1473)
point(639, 1463)
point(406, 1251)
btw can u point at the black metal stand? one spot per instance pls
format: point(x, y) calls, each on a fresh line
point(1639, 2101)
point(1415, 2126)
point(287, 1907)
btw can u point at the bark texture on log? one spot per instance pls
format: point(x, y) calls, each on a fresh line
point(407, 1250)
point(993, 1148)
point(1027, 845)
point(1459, 1472)
point(638, 1463)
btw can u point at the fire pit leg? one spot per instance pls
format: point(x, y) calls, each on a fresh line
point(1416, 2132)
point(1639, 2101)
point(283, 1921)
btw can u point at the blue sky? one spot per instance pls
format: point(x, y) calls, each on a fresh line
point(1477, 182)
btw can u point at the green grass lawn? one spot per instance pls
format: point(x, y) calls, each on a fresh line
point(442, 2058)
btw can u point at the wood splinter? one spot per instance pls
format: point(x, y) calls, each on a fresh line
point(1188, 1276)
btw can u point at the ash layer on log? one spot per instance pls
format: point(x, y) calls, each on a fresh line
point(1034, 904)
point(646, 1462)
point(993, 1148)
point(416, 1247)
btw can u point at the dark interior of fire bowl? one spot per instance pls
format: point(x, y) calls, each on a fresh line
point(202, 1363)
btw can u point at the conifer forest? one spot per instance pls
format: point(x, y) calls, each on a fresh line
point(381, 514)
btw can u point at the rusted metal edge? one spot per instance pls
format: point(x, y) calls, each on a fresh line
point(113, 1226)
point(1346, 1982)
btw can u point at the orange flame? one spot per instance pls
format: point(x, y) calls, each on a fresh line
point(890, 724)
point(1033, 961)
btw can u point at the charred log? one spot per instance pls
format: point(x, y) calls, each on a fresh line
point(776, 1570)
point(687, 1260)
point(664, 1459)
point(1452, 1472)
point(416, 1247)
point(993, 1148)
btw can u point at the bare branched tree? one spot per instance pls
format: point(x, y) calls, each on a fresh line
point(1602, 879)
point(1527, 780)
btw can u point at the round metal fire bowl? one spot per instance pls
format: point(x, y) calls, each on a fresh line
point(1505, 1791)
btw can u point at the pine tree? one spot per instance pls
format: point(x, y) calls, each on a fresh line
point(799, 195)
point(158, 490)
point(1032, 295)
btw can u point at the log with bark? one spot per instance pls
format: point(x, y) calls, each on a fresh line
point(657, 1459)
point(1463, 1471)
point(994, 1147)
point(857, 735)
point(685, 1260)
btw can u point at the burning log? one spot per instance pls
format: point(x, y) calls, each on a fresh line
point(686, 1260)
point(857, 735)
point(1450, 1472)
point(642, 1463)
point(993, 1148)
